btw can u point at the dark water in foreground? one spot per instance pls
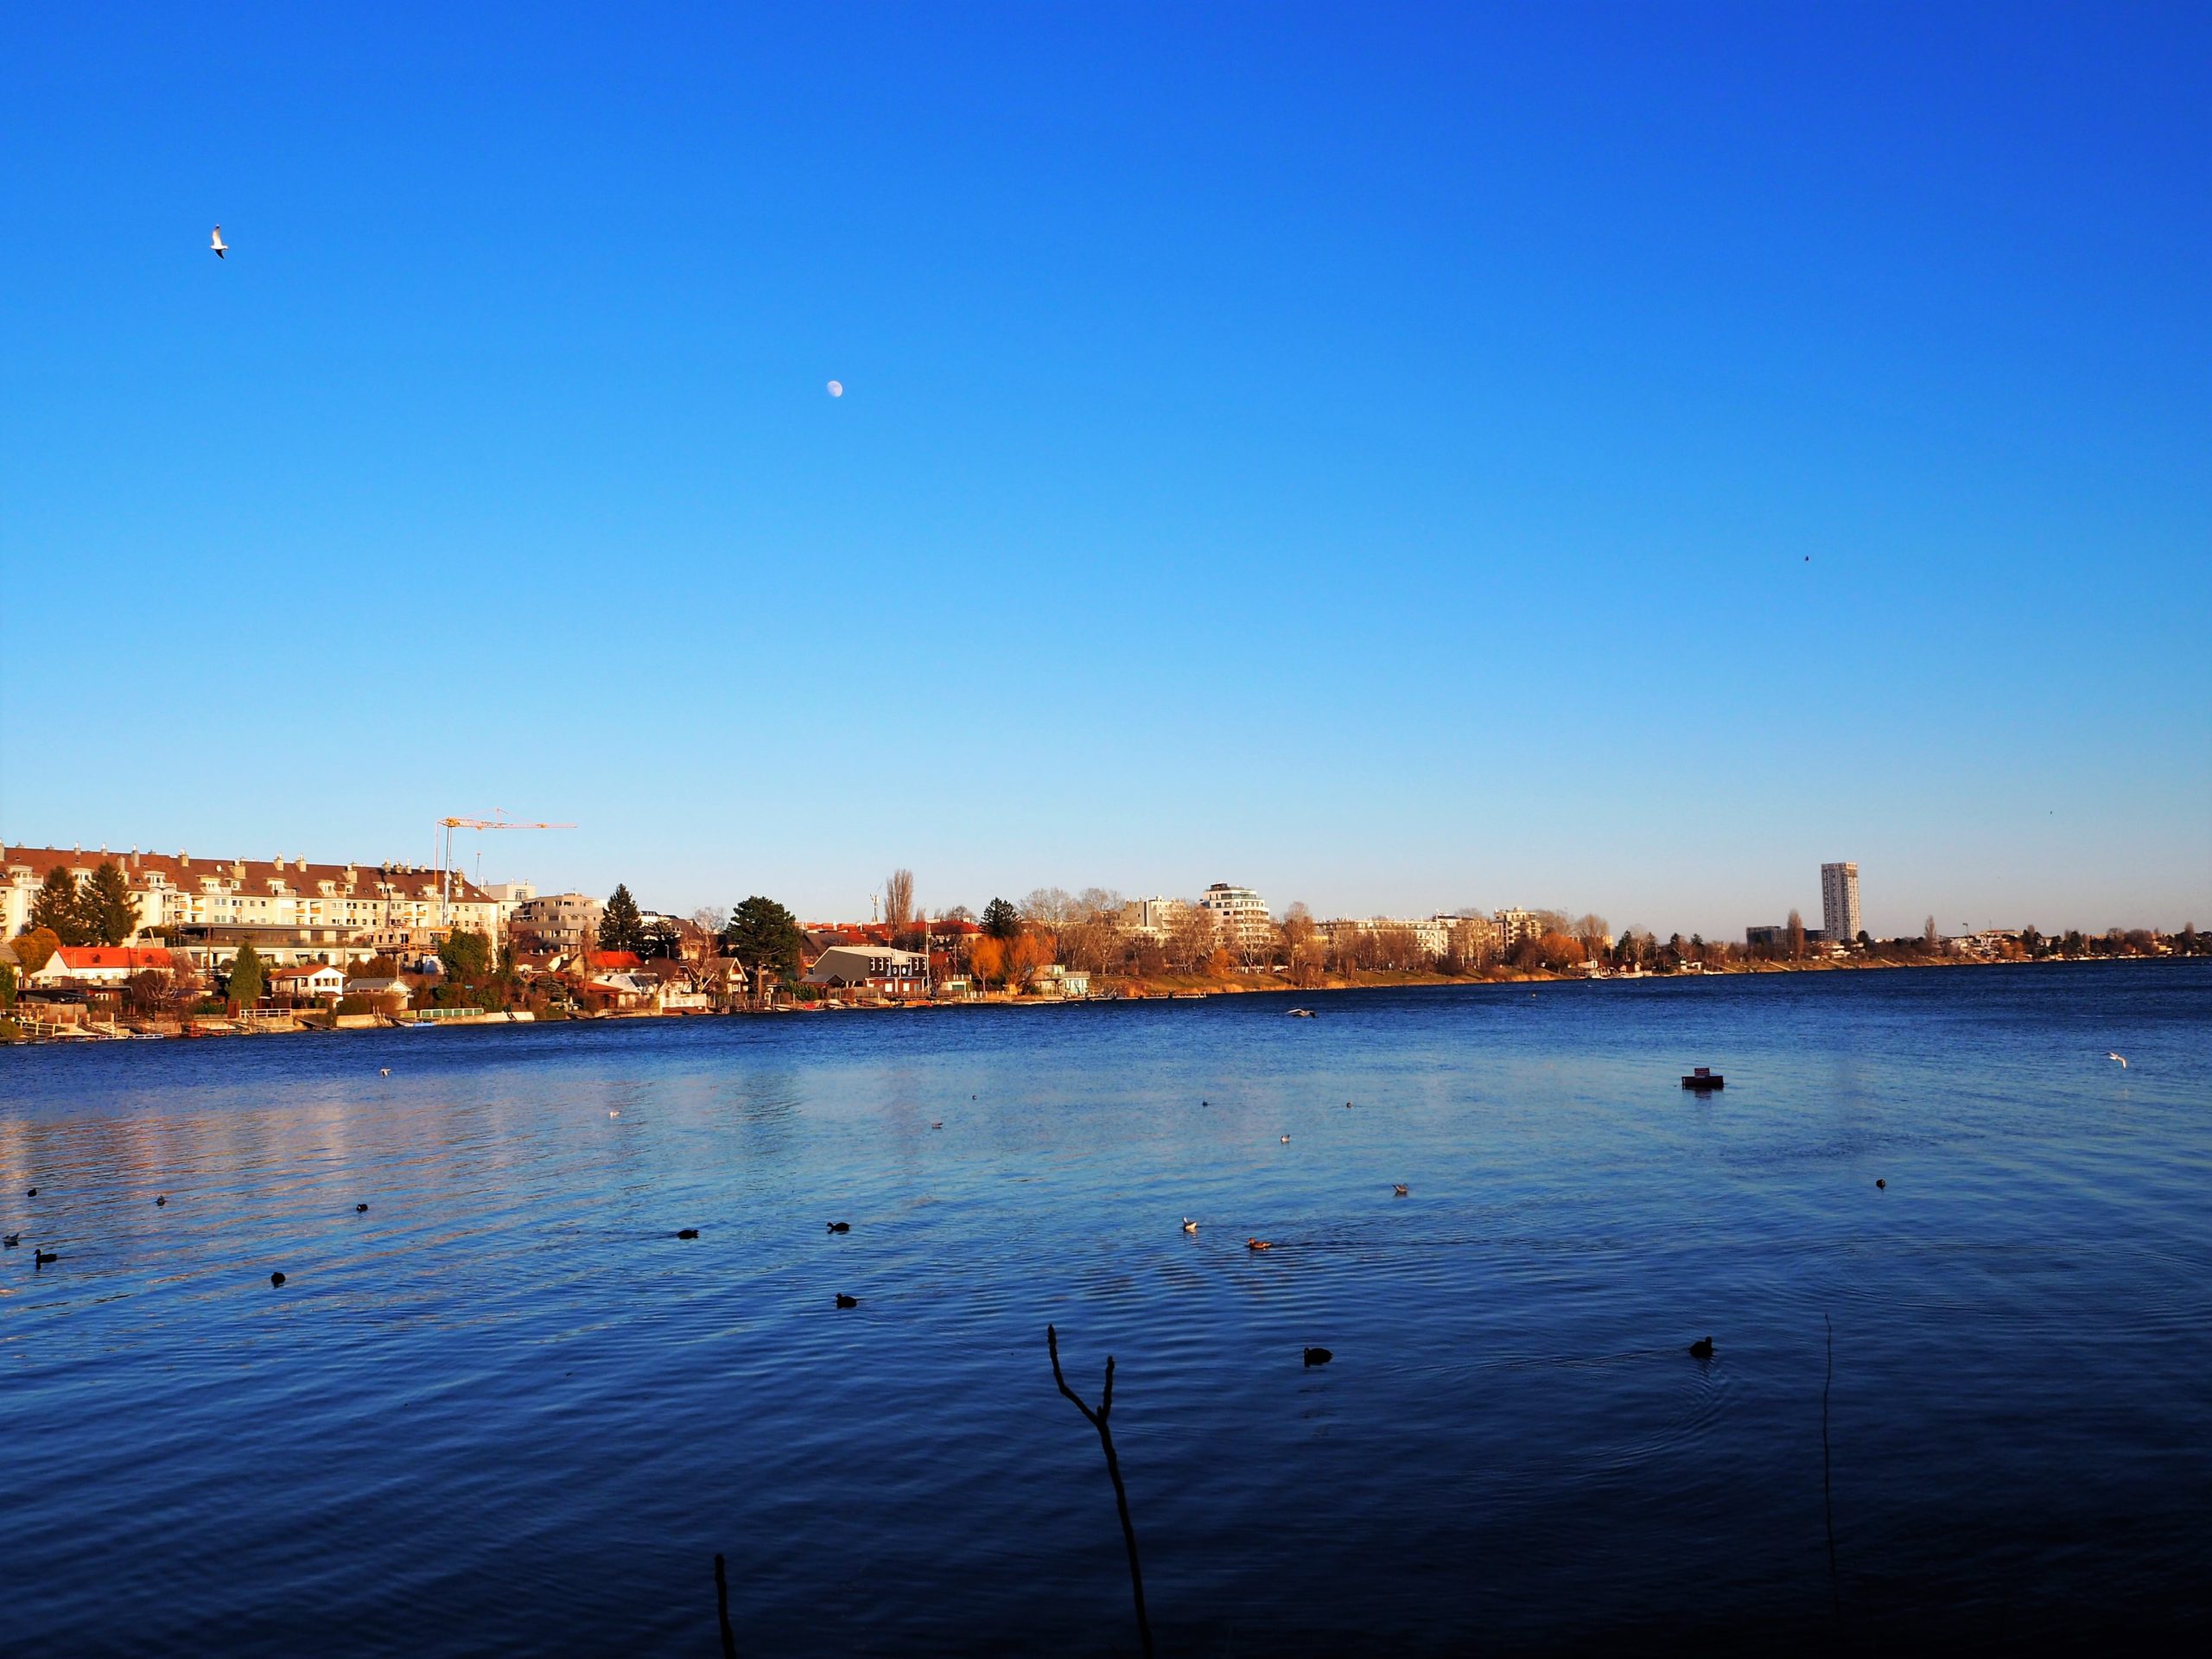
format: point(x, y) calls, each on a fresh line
point(506, 1410)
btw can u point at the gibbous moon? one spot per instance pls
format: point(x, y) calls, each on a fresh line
point(836, 388)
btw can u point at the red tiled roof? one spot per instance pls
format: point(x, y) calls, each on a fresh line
point(80, 957)
point(411, 881)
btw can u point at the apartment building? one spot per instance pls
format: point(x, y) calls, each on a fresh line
point(565, 921)
point(289, 909)
point(1240, 917)
point(1840, 902)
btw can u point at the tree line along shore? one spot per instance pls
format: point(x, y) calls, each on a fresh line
point(756, 957)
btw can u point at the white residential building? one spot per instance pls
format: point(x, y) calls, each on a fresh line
point(1840, 903)
point(288, 910)
point(1240, 917)
point(1153, 918)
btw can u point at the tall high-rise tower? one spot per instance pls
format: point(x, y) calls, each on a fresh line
point(1840, 902)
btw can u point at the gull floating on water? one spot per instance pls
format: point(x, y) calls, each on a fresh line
point(2122, 1059)
point(216, 245)
point(1189, 1226)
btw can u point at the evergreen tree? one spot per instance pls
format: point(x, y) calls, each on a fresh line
point(663, 938)
point(58, 907)
point(7, 985)
point(1001, 919)
point(466, 956)
point(247, 977)
point(105, 909)
point(763, 935)
point(619, 926)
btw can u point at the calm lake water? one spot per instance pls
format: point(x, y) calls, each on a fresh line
point(506, 1410)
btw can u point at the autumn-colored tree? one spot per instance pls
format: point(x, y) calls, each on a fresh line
point(986, 959)
point(1025, 954)
point(37, 947)
point(1559, 951)
point(1220, 965)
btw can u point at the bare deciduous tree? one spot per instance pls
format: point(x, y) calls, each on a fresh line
point(1797, 927)
point(898, 899)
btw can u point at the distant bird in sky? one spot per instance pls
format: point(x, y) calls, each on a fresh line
point(216, 245)
point(1189, 1226)
point(836, 388)
point(2122, 1059)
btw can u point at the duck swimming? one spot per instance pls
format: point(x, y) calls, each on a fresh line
point(1189, 1226)
point(40, 1258)
point(1701, 1349)
point(1259, 1245)
point(360, 1209)
point(277, 1278)
point(841, 1226)
point(1318, 1355)
point(12, 1240)
point(163, 1199)
point(844, 1300)
point(687, 1232)
point(1400, 1188)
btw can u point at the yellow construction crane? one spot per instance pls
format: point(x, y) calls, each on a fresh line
point(445, 851)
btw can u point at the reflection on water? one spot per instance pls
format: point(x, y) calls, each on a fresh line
point(507, 1409)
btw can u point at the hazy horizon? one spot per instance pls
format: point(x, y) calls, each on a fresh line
point(1603, 458)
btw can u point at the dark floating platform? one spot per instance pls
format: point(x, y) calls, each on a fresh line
point(1703, 1079)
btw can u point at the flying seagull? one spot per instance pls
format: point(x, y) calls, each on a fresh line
point(216, 245)
point(2122, 1059)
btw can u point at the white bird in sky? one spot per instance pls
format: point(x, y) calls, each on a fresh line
point(216, 245)
point(2122, 1059)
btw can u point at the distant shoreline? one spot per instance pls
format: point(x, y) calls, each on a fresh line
point(1158, 990)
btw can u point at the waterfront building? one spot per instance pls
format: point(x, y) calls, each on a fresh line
point(98, 965)
point(1515, 925)
point(876, 967)
point(1153, 918)
point(290, 911)
point(563, 921)
point(1240, 917)
point(1840, 902)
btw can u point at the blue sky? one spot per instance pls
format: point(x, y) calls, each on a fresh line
point(1614, 457)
